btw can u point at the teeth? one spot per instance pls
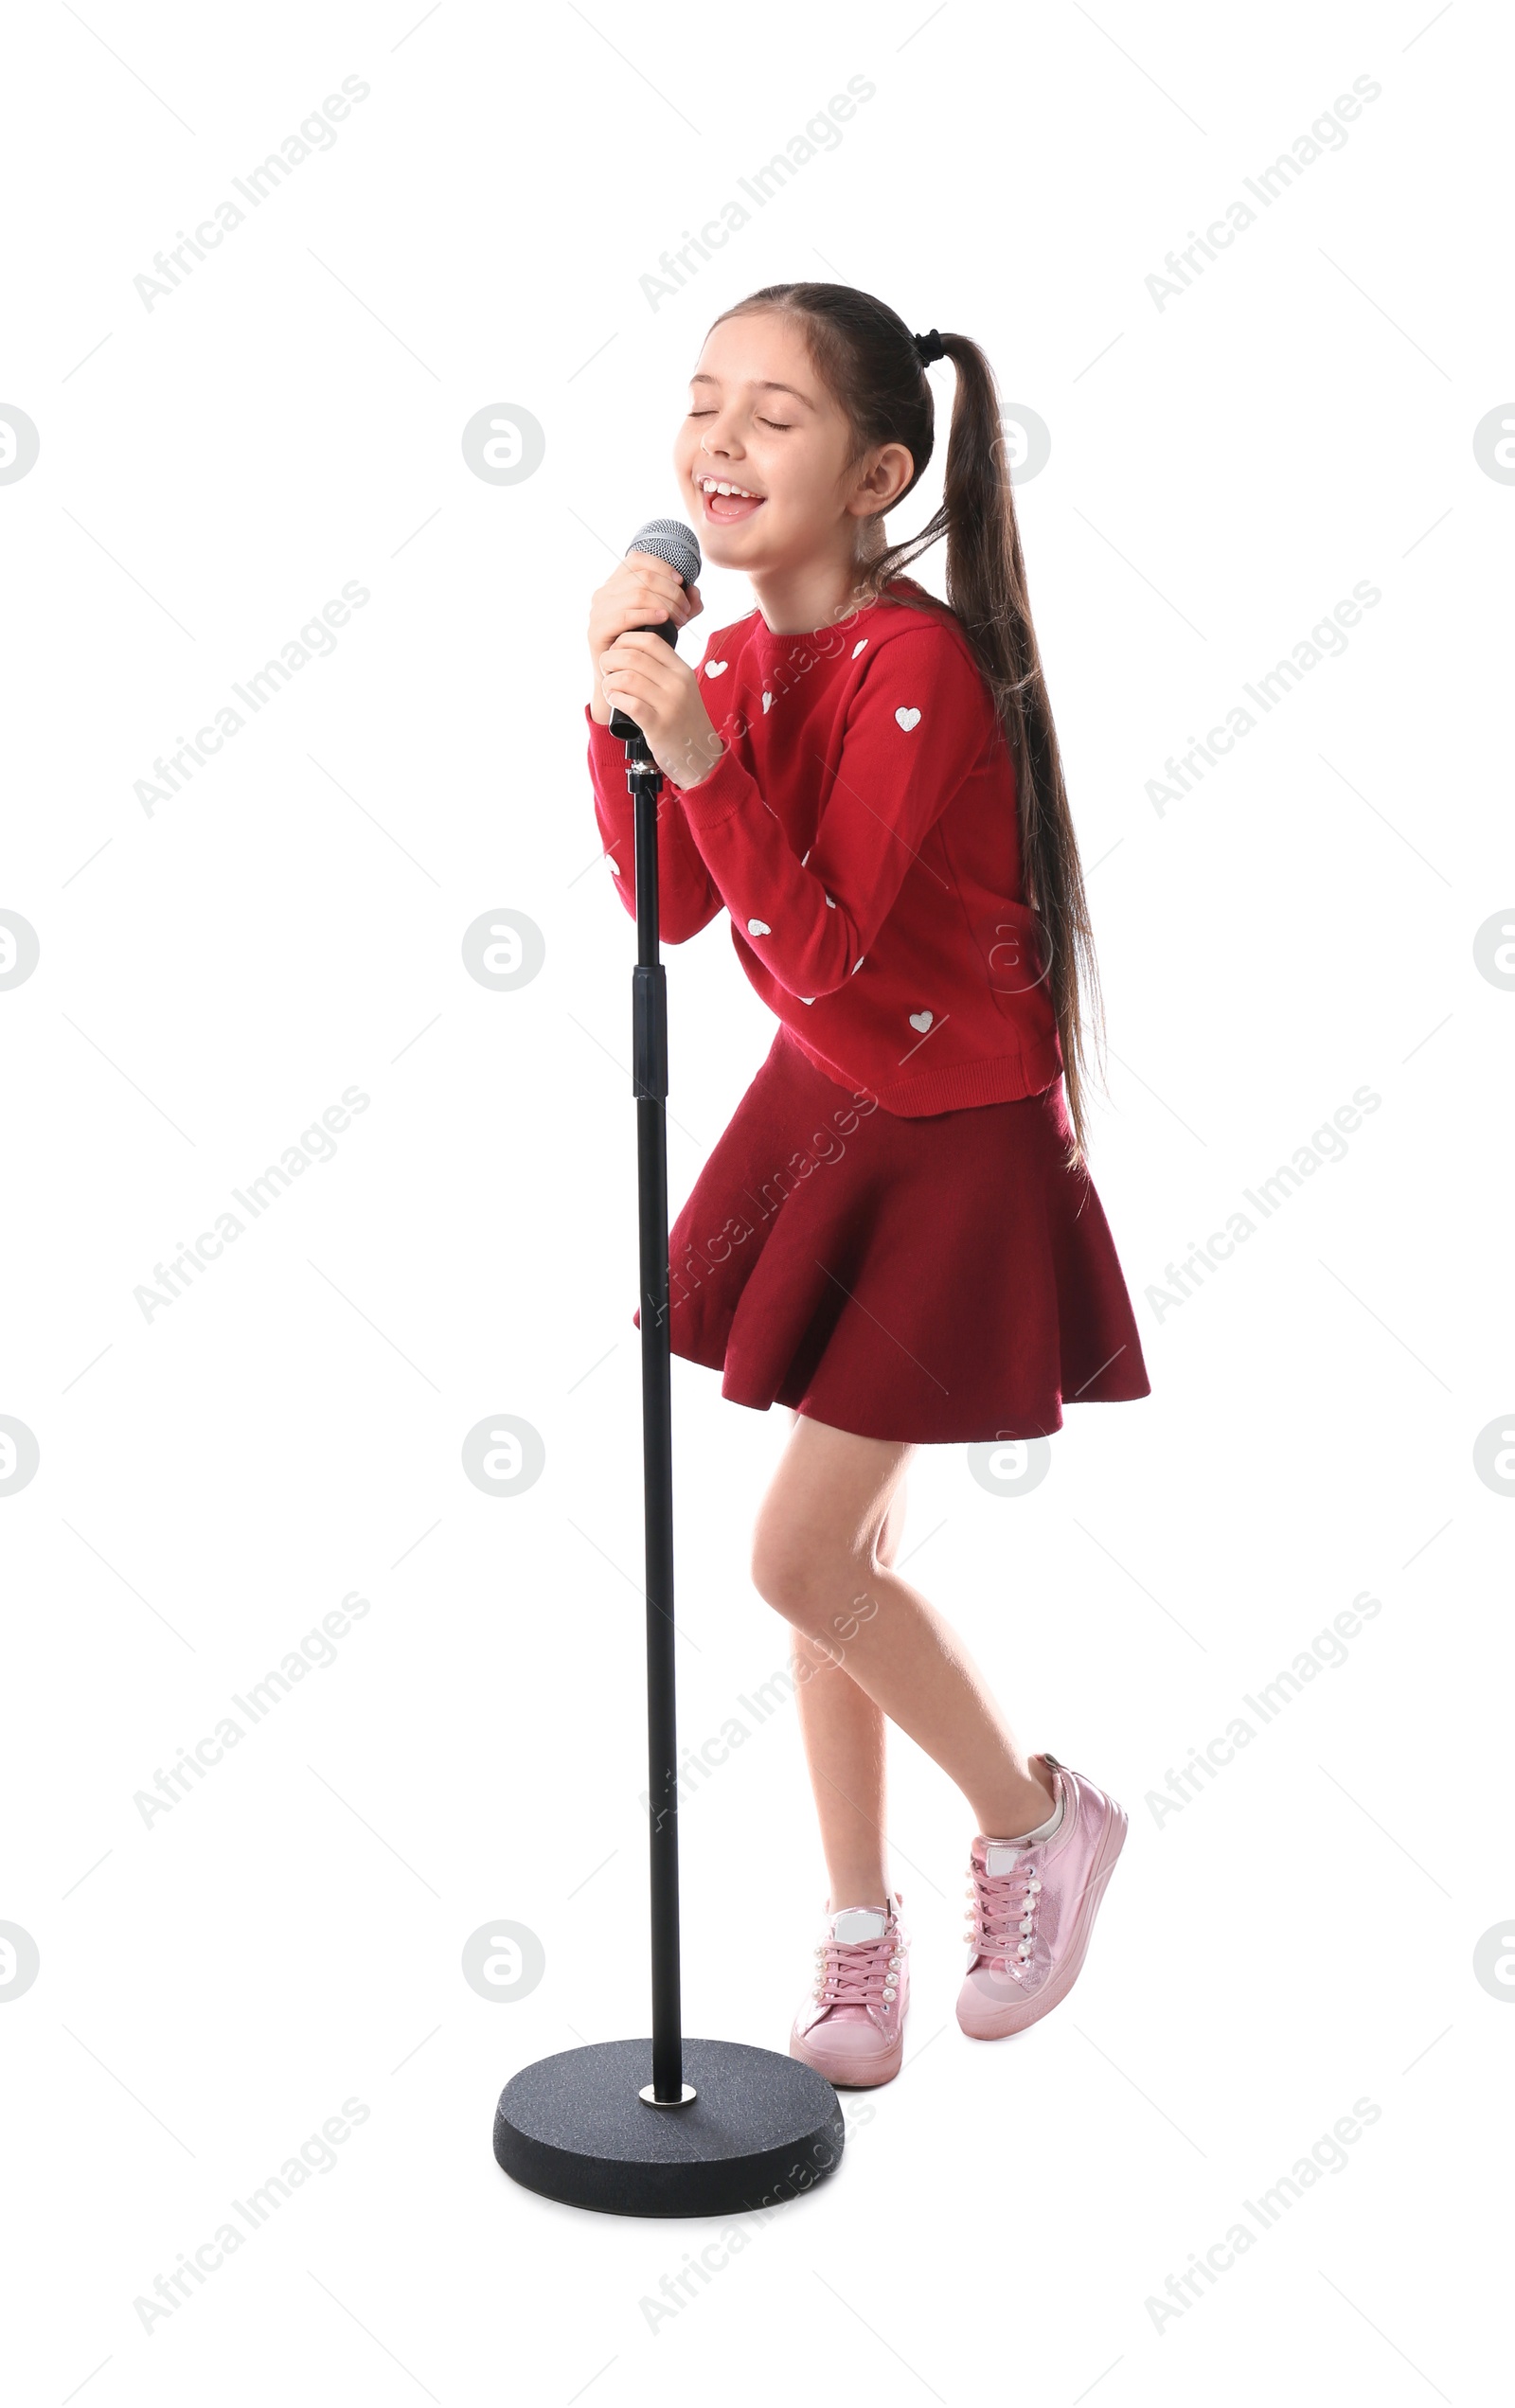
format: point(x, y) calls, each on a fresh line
point(714, 485)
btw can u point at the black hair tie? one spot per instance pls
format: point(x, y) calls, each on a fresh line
point(929, 346)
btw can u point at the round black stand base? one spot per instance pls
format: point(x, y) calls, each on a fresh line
point(762, 2128)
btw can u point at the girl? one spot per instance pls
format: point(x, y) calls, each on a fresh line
point(897, 1237)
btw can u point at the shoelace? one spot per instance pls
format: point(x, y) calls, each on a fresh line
point(859, 1972)
point(1002, 1916)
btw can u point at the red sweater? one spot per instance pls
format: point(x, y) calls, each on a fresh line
point(861, 830)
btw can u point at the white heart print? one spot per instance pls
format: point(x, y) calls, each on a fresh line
point(715, 668)
point(907, 720)
point(860, 646)
point(758, 928)
point(921, 1020)
point(768, 704)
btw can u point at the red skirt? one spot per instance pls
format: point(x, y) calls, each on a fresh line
point(944, 1280)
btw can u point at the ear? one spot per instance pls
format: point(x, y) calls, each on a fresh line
point(882, 483)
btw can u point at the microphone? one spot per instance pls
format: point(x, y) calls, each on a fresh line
point(667, 539)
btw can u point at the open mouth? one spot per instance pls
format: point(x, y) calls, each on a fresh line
point(725, 502)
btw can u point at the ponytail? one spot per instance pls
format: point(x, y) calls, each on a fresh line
point(869, 360)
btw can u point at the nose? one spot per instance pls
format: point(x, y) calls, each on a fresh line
point(718, 438)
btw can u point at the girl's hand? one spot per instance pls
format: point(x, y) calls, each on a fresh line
point(640, 592)
point(662, 694)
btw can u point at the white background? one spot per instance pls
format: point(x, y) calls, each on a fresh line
point(212, 976)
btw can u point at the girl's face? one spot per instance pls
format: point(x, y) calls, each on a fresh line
point(761, 419)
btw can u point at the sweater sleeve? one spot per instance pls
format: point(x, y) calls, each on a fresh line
point(686, 899)
point(917, 725)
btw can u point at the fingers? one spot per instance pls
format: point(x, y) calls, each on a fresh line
point(640, 671)
point(646, 639)
point(654, 576)
point(637, 647)
point(629, 674)
point(643, 592)
point(655, 581)
point(656, 570)
point(649, 610)
point(618, 685)
point(650, 607)
point(634, 614)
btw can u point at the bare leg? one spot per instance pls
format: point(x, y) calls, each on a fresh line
point(817, 1558)
point(843, 1734)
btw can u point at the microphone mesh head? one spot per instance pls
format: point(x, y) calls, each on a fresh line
point(669, 539)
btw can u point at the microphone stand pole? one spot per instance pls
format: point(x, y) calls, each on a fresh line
point(649, 1084)
point(720, 2128)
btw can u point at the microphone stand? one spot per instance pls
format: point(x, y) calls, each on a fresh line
point(720, 2129)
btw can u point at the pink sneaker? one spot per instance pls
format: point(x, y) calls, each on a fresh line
point(1032, 1909)
point(851, 2028)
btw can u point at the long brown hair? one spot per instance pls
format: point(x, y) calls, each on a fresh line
point(867, 356)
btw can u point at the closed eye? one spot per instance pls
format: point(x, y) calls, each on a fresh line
point(781, 426)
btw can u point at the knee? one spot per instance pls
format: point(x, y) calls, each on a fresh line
point(783, 1571)
point(791, 1573)
point(806, 1581)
